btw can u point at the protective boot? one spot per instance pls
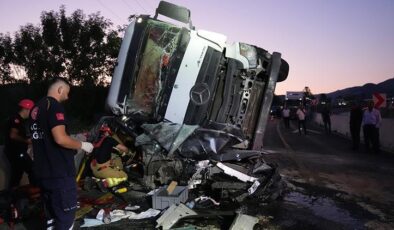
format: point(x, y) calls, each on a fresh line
point(111, 174)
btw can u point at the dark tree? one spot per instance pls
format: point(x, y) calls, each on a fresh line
point(6, 56)
point(30, 52)
point(79, 47)
point(52, 39)
point(89, 46)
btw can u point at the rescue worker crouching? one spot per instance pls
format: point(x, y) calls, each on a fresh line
point(106, 164)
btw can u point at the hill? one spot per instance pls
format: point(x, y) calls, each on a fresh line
point(365, 91)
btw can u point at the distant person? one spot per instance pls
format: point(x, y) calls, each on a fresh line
point(16, 144)
point(356, 117)
point(378, 127)
point(53, 164)
point(301, 115)
point(326, 116)
point(371, 122)
point(286, 116)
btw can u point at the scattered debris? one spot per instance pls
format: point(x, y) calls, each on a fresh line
point(162, 198)
point(244, 222)
point(173, 214)
point(106, 217)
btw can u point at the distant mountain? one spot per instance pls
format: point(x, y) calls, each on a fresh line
point(365, 91)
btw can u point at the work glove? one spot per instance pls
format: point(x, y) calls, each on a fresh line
point(87, 147)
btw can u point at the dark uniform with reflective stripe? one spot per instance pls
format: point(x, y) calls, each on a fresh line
point(16, 151)
point(53, 165)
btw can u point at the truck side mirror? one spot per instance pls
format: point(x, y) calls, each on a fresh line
point(175, 12)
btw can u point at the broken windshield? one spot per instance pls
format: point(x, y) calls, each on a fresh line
point(159, 44)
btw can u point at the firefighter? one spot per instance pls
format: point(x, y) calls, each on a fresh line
point(16, 144)
point(106, 163)
point(54, 151)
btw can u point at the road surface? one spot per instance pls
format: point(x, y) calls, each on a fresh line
point(330, 186)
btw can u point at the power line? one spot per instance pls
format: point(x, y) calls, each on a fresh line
point(141, 6)
point(128, 5)
point(111, 11)
point(150, 6)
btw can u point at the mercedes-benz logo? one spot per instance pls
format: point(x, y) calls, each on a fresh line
point(200, 94)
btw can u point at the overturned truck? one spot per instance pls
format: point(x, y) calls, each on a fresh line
point(194, 108)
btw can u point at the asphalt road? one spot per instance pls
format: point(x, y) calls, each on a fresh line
point(330, 185)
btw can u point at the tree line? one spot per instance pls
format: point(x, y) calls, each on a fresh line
point(82, 48)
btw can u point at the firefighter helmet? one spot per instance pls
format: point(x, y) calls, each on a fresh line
point(105, 129)
point(26, 104)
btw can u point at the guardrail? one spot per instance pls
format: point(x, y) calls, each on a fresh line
point(340, 124)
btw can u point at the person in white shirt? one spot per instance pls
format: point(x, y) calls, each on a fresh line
point(286, 116)
point(371, 123)
point(301, 113)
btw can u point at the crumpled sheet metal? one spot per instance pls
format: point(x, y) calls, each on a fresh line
point(235, 173)
point(235, 154)
point(169, 135)
point(173, 214)
point(205, 143)
point(244, 222)
point(191, 140)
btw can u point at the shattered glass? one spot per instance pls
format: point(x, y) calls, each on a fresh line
point(169, 135)
point(160, 46)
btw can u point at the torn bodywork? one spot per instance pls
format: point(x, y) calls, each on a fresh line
point(195, 108)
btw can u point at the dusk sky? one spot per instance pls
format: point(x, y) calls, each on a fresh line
point(329, 44)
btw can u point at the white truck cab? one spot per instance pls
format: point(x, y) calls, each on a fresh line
point(168, 72)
